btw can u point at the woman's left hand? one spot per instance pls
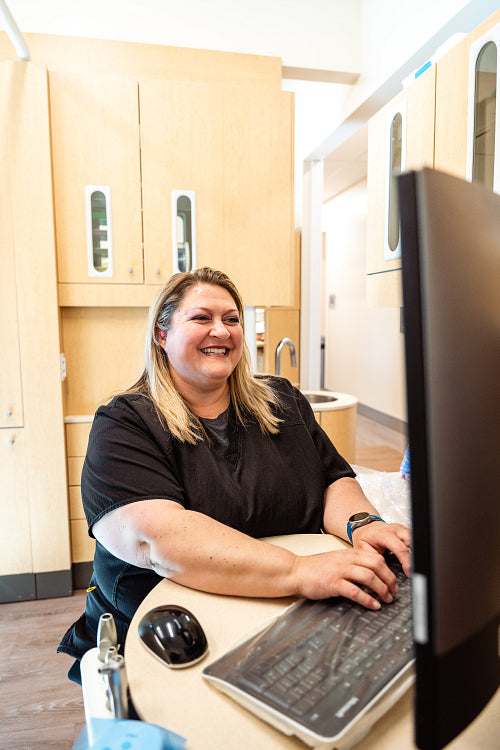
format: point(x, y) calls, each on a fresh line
point(379, 537)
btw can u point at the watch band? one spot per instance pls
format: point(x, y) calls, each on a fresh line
point(355, 523)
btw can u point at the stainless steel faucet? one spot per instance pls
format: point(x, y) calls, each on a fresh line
point(277, 357)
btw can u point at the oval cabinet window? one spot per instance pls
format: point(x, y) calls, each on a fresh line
point(396, 162)
point(482, 126)
point(183, 230)
point(99, 236)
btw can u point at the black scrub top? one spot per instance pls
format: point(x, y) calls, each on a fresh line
point(262, 485)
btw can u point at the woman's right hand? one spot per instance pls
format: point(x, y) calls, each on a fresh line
point(342, 573)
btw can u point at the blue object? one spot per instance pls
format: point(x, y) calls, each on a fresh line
point(350, 529)
point(424, 67)
point(126, 734)
point(405, 464)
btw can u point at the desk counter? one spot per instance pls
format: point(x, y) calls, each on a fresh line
point(183, 702)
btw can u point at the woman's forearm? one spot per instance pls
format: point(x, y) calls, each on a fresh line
point(196, 550)
point(204, 554)
point(342, 499)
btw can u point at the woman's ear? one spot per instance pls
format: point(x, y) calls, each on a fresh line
point(160, 335)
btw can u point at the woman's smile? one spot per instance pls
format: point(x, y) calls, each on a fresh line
point(219, 352)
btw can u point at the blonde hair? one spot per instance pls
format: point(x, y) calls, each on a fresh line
point(249, 396)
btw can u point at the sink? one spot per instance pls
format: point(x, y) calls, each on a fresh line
point(319, 398)
point(329, 400)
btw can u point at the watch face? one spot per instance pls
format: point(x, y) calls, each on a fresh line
point(359, 517)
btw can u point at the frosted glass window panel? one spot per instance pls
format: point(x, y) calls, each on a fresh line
point(183, 230)
point(396, 163)
point(99, 231)
point(482, 125)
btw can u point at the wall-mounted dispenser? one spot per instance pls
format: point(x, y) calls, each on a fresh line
point(183, 230)
point(99, 234)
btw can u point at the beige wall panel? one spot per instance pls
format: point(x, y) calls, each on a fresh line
point(15, 531)
point(75, 466)
point(33, 234)
point(79, 55)
point(258, 185)
point(182, 148)
point(75, 503)
point(77, 437)
point(103, 349)
point(82, 546)
point(95, 141)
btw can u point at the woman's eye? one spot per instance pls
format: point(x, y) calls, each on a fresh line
point(232, 321)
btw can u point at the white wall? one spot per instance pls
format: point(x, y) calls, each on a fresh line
point(364, 352)
point(317, 34)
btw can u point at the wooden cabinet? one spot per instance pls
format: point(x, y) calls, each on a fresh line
point(104, 348)
point(82, 546)
point(11, 403)
point(182, 148)
point(438, 128)
point(225, 131)
point(417, 106)
point(33, 477)
point(258, 184)
point(15, 532)
point(231, 145)
point(340, 426)
point(281, 322)
point(95, 141)
point(452, 102)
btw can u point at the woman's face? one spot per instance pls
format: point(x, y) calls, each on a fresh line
point(205, 339)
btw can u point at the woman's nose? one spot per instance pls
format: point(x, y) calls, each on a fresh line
point(219, 329)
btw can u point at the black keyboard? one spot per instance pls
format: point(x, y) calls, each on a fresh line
point(321, 661)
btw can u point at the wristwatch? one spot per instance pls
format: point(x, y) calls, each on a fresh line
point(360, 519)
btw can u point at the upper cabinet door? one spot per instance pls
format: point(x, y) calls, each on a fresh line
point(226, 152)
point(258, 185)
point(182, 157)
point(400, 137)
point(483, 125)
point(457, 97)
point(96, 167)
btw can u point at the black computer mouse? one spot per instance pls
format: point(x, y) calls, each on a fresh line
point(173, 635)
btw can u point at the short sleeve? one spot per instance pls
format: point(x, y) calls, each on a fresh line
point(129, 458)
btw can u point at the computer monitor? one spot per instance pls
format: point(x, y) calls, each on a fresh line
point(450, 239)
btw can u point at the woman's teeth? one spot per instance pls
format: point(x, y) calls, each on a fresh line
point(215, 350)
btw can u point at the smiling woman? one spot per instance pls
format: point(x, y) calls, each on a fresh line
point(188, 469)
point(203, 346)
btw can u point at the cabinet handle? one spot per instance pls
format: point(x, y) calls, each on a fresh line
point(11, 441)
point(130, 269)
point(8, 413)
point(157, 271)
